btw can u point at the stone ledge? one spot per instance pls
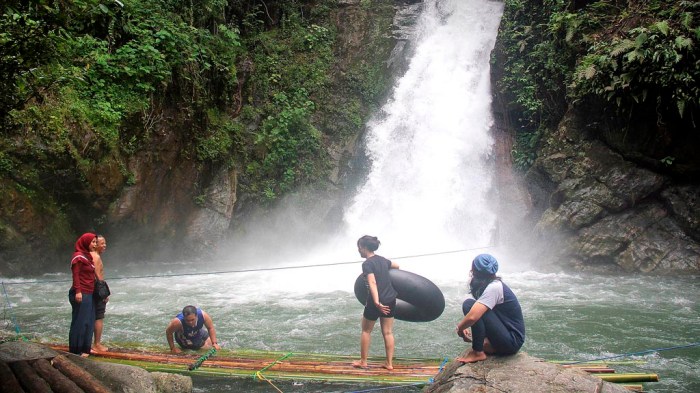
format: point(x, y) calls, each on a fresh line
point(519, 373)
point(116, 377)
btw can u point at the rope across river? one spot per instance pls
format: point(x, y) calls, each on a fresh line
point(251, 270)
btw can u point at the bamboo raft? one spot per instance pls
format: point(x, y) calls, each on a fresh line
point(265, 366)
point(261, 365)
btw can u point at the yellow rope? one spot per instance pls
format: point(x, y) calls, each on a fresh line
point(259, 376)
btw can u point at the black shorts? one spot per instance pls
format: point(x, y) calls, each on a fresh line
point(100, 308)
point(195, 342)
point(371, 312)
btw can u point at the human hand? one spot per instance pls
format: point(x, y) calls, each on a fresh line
point(384, 309)
point(79, 297)
point(175, 350)
point(466, 335)
point(217, 346)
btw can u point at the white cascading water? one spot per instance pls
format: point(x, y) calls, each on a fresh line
point(430, 147)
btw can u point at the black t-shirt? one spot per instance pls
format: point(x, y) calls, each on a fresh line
point(380, 267)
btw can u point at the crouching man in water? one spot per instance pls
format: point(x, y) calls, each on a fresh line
point(188, 329)
point(493, 313)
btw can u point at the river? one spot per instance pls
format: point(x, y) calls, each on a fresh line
point(568, 316)
point(429, 190)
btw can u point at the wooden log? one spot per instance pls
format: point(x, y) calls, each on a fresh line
point(82, 378)
point(28, 378)
point(57, 380)
point(9, 382)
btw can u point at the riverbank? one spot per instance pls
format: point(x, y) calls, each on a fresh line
point(31, 367)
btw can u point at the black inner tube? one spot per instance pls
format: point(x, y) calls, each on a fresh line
point(418, 299)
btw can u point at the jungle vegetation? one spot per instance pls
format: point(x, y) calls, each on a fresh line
point(638, 61)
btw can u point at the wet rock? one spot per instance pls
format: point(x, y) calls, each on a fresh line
point(517, 374)
point(607, 211)
point(117, 377)
point(171, 383)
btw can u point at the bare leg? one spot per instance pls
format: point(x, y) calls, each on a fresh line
point(99, 325)
point(388, 334)
point(365, 339)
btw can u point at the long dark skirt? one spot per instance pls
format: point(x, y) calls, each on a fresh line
point(82, 325)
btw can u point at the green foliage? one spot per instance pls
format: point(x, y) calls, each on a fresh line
point(288, 147)
point(217, 143)
point(523, 152)
point(657, 63)
point(626, 54)
point(538, 43)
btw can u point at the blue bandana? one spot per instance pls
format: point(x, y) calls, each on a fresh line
point(485, 263)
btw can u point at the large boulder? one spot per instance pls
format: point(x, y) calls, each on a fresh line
point(517, 374)
point(117, 377)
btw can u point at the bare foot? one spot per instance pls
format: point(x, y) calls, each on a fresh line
point(472, 357)
point(99, 348)
point(84, 355)
point(359, 364)
point(388, 367)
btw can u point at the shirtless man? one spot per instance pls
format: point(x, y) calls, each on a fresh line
point(100, 304)
point(189, 331)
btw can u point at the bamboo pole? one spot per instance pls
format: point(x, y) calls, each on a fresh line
point(57, 380)
point(28, 378)
point(9, 381)
point(629, 377)
point(634, 388)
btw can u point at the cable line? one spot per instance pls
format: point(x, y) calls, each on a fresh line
point(635, 353)
point(252, 270)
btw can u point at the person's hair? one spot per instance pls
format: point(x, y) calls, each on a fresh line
point(369, 242)
point(189, 310)
point(99, 236)
point(479, 282)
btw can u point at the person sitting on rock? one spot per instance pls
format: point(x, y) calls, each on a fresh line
point(492, 312)
point(188, 329)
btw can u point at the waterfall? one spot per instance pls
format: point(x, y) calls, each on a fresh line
point(430, 147)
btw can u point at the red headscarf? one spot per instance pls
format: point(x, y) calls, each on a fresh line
point(82, 268)
point(82, 246)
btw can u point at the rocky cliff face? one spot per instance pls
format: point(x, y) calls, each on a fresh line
point(159, 202)
point(607, 212)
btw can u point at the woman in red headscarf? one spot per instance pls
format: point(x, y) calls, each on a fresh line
point(80, 296)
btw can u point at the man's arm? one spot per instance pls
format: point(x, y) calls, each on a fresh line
point(210, 328)
point(173, 327)
point(99, 268)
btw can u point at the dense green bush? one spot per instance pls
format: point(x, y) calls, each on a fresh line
point(86, 80)
point(658, 62)
point(557, 52)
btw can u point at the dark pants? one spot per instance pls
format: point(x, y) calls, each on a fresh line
point(490, 326)
point(82, 324)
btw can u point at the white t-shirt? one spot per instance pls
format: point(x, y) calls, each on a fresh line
point(493, 295)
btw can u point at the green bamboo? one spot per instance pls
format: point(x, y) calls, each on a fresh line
point(629, 377)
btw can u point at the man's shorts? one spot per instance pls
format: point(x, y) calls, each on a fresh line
point(195, 342)
point(371, 312)
point(100, 308)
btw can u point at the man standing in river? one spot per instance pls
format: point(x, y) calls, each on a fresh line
point(100, 304)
